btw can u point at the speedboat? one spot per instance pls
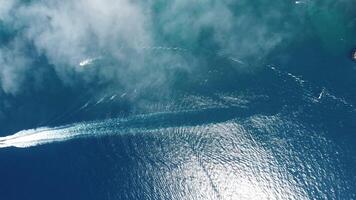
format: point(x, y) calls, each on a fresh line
point(353, 54)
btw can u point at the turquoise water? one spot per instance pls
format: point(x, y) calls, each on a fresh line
point(177, 99)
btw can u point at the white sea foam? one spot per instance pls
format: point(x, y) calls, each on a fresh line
point(33, 137)
point(45, 135)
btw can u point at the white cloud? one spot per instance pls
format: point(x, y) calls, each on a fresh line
point(14, 66)
point(68, 32)
point(5, 8)
point(242, 28)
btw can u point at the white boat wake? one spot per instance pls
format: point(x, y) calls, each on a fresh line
point(118, 126)
point(143, 123)
point(34, 137)
point(45, 135)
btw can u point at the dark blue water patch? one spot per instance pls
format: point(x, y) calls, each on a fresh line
point(47, 176)
point(86, 169)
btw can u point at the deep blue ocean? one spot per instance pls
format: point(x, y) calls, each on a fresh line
point(177, 99)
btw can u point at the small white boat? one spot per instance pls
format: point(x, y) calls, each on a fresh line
point(353, 54)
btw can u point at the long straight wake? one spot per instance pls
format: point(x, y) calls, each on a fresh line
point(45, 135)
point(34, 137)
point(143, 123)
point(117, 126)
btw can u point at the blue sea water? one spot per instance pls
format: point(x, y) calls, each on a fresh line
point(271, 120)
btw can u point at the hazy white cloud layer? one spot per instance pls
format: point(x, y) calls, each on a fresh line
point(67, 33)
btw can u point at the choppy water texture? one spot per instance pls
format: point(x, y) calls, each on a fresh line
point(250, 100)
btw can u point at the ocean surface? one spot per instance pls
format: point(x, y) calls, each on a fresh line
point(177, 100)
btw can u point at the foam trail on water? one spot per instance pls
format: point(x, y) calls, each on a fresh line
point(143, 123)
point(44, 135)
point(33, 137)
